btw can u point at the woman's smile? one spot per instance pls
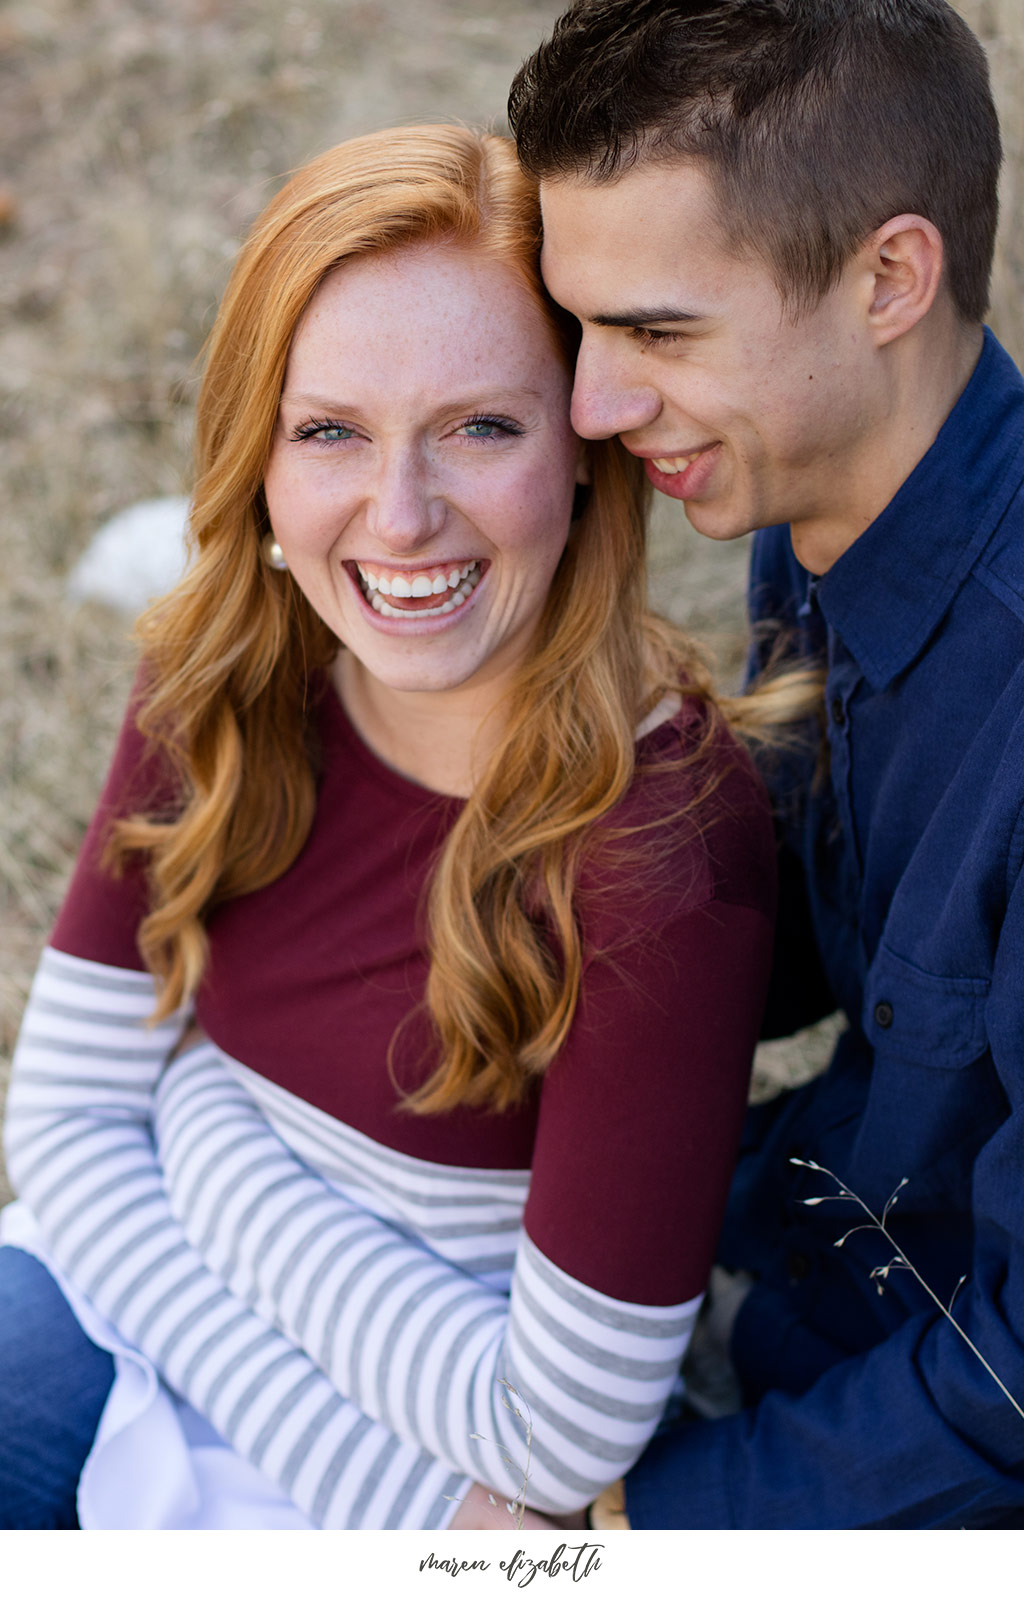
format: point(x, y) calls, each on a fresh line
point(415, 593)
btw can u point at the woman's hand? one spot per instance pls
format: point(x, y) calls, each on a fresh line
point(482, 1511)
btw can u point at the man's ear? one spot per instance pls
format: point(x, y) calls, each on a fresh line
point(903, 259)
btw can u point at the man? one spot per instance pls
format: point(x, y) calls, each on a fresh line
point(774, 220)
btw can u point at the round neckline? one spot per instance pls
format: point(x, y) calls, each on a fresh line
point(388, 777)
point(408, 788)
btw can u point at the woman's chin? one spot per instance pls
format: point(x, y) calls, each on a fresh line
point(414, 674)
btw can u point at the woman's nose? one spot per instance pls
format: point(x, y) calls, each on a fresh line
point(406, 507)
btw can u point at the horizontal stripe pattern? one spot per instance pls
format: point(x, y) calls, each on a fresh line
point(471, 1216)
point(554, 1380)
point(80, 1151)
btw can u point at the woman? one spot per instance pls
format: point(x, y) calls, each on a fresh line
point(379, 1090)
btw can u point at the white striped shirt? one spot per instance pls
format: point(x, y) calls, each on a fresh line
point(362, 1325)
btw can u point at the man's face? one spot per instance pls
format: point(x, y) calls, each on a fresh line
point(749, 413)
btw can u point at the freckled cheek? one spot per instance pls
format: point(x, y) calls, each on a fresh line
point(538, 528)
point(307, 519)
point(531, 510)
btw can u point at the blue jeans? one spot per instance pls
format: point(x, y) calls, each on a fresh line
point(53, 1386)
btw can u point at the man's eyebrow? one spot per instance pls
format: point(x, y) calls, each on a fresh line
point(642, 315)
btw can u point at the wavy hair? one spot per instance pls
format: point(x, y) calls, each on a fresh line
point(232, 655)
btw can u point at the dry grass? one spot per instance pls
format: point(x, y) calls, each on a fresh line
point(1000, 26)
point(140, 140)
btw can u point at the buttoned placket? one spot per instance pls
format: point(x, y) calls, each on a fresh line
point(843, 680)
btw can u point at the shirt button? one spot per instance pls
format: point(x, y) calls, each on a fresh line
point(798, 1266)
point(838, 712)
point(883, 1014)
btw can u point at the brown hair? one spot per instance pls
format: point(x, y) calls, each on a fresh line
point(230, 655)
point(817, 120)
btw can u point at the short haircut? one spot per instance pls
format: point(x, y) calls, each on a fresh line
point(816, 120)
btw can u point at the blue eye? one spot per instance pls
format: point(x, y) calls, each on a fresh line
point(490, 428)
point(322, 431)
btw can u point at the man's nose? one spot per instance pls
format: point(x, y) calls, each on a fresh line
point(406, 508)
point(607, 396)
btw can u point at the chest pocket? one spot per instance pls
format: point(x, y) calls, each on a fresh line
point(914, 1016)
point(934, 1097)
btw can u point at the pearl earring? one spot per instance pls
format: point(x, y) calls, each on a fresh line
point(272, 554)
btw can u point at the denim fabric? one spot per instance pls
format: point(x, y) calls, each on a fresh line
point(902, 904)
point(53, 1386)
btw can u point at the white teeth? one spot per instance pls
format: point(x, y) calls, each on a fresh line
point(461, 582)
point(432, 611)
point(674, 464)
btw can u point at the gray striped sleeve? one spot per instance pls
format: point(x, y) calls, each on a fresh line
point(555, 1374)
point(80, 1151)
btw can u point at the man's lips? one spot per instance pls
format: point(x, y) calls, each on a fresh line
point(683, 477)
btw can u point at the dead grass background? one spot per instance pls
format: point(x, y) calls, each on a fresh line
point(139, 141)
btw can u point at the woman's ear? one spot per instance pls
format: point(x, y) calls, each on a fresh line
point(904, 259)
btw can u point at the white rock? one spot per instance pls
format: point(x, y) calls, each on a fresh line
point(136, 556)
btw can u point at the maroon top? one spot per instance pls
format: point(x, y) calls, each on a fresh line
point(632, 1135)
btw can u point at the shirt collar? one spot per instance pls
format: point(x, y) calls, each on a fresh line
point(888, 592)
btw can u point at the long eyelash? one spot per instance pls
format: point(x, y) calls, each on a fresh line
point(647, 338)
point(504, 423)
point(306, 430)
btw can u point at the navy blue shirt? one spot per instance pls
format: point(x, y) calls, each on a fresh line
point(903, 905)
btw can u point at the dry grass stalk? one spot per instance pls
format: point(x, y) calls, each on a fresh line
point(899, 1261)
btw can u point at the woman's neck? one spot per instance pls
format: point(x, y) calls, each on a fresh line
point(441, 740)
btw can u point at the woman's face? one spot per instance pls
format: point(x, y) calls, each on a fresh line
point(421, 476)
